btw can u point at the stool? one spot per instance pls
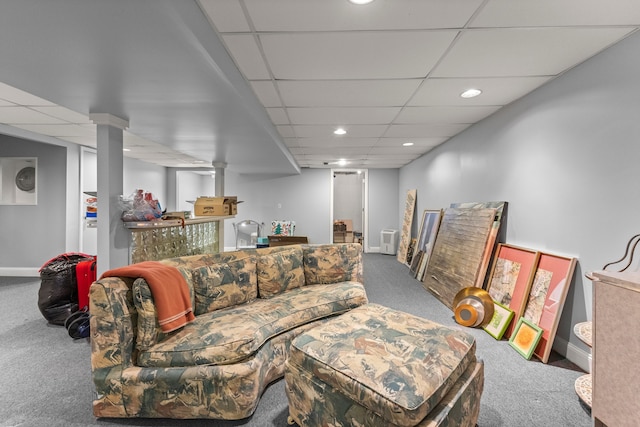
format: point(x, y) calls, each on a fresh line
point(375, 366)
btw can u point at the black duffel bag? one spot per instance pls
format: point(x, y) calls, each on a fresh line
point(58, 294)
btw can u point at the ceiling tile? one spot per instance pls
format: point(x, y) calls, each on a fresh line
point(347, 93)
point(339, 15)
point(246, 55)
point(358, 131)
point(436, 115)
point(22, 115)
point(278, 116)
point(524, 52)
point(360, 55)
point(495, 91)
point(64, 114)
point(266, 93)
point(225, 15)
point(421, 131)
point(285, 131)
point(60, 130)
point(342, 115)
point(417, 142)
point(546, 13)
point(330, 142)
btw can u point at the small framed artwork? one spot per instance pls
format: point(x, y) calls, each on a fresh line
point(500, 321)
point(546, 298)
point(525, 337)
point(511, 276)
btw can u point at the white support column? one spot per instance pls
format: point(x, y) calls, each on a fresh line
point(219, 168)
point(113, 238)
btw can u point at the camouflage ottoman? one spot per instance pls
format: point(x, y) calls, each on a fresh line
point(375, 366)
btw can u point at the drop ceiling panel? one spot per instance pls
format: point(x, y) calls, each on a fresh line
point(407, 151)
point(247, 56)
point(63, 114)
point(435, 115)
point(278, 116)
point(24, 115)
point(340, 15)
point(341, 115)
point(60, 130)
point(328, 142)
point(545, 13)
point(421, 142)
point(227, 16)
point(361, 55)
point(266, 93)
point(524, 52)
point(318, 64)
point(335, 151)
point(347, 93)
point(421, 131)
point(496, 91)
point(357, 131)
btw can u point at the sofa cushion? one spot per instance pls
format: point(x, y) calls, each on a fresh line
point(232, 334)
point(148, 330)
point(333, 263)
point(280, 271)
point(225, 284)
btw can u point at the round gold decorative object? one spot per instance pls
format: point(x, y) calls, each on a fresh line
point(473, 307)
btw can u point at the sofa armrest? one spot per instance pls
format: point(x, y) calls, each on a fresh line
point(113, 323)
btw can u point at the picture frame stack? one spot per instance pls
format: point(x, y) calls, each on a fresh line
point(533, 285)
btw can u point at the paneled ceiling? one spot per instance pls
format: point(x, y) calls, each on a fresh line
point(263, 84)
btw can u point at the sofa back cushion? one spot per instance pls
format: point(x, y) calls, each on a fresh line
point(148, 330)
point(333, 263)
point(224, 284)
point(280, 271)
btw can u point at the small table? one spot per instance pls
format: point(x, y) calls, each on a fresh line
point(278, 240)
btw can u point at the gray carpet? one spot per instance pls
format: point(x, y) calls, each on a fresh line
point(46, 378)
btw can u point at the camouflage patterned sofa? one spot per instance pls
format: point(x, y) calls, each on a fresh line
point(249, 306)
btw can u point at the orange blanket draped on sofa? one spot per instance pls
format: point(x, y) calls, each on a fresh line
point(169, 290)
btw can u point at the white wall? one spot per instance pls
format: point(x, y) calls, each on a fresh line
point(304, 198)
point(384, 199)
point(566, 160)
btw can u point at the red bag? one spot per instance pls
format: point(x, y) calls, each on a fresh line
point(85, 274)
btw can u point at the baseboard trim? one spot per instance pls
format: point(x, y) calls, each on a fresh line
point(573, 353)
point(19, 272)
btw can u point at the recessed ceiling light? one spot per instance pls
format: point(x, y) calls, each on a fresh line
point(126, 149)
point(360, 1)
point(407, 144)
point(470, 93)
point(339, 131)
point(342, 162)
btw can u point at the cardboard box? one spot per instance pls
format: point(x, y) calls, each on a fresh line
point(177, 214)
point(216, 206)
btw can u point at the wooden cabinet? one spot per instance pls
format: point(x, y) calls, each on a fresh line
point(616, 349)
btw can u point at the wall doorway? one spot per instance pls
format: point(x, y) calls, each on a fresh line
point(349, 201)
